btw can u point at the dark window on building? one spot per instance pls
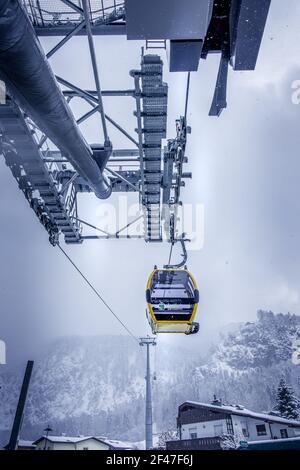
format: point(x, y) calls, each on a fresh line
point(261, 430)
point(193, 433)
point(283, 433)
point(229, 426)
point(245, 432)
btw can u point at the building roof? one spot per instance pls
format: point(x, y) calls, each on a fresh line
point(290, 443)
point(68, 439)
point(23, 443)
point(116, 444)
point(241, 411)
point(274, 441)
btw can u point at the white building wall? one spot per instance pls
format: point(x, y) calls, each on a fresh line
point(206, 429)
point(245, 428)
point(239, 423)
point(253, 434)
point(90, 444)
point(277, 427)
point(273, 430)
point(296, 431)
point(249, 424)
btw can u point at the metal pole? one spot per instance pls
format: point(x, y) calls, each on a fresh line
point(103, 93)
point(13, 441)
point(149, 436)
point(148, 416)
point(48, 429)
point(95, 68)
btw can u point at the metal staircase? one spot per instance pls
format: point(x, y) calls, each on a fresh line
point(154, 119)
point(25, 160)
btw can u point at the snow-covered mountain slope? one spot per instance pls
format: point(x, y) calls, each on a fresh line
point(247, 364)
point(95, 385)
point(269, 340)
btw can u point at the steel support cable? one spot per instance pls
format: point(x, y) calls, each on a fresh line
point(97, 293)
point(169, 262)
point(187, 97)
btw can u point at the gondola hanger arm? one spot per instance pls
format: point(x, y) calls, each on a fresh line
point(184, 255)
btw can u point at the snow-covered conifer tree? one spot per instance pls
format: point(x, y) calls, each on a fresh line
point(287, 404)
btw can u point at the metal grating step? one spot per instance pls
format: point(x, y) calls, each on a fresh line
point(27, 160)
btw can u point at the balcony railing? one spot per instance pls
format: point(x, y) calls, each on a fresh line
point(45, 13)
point(206, 443)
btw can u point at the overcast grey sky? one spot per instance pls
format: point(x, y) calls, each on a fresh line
point(246, 171)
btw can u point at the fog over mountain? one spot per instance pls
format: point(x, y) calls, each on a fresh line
point(95, 385)
point(245, 168)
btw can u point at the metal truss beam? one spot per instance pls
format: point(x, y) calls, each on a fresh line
point(66, 39)
point(73, 6)
point(73, 94)
point(122, 178)
point(108, 235)
point(92, 226)
point(95, 68)
point(106, 19)
point(114, 29)
point(123, 161)
point(117, 155)
point(125, 153)
point(87, 115)
point(80, 92)
point(97, 237)
point(128, 225)
point(92, 99)
point(117, 126)
point(67, 184)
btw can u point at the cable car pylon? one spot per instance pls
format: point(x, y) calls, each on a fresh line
point(148, 415)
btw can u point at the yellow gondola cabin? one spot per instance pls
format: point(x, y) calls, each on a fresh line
point(172, 297)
